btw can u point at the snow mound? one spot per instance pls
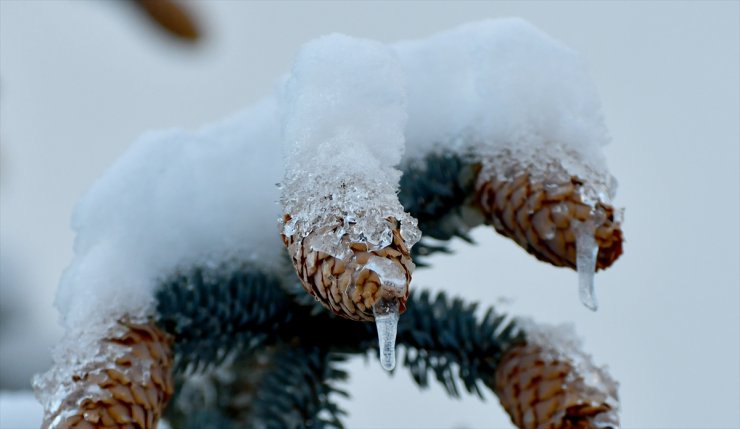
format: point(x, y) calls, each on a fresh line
point(504, 85)
point(344, 112)
point(173, 200)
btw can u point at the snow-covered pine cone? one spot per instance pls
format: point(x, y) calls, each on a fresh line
point(350, 286)
point(128, 393)
point(541, 389)
point(539, 215)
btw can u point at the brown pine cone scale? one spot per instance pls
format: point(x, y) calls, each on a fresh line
point(128, 393)
point(350, 286)
point(541, 217)
point(541, 390)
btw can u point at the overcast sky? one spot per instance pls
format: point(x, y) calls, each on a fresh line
point(79, 80)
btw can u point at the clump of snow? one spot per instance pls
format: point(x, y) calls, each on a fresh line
point(174, 199)
point(503, 85)
point(517, 100)
point(344, 114)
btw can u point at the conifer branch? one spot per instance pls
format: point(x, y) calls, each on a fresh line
point(276, 387)
point(439, 192)
point(440, 336)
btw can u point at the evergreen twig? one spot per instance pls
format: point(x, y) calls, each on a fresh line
point(442, 336)
point(438, 191)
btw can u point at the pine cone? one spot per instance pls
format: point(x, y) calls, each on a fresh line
point(351, 286)
point(131, 392)
point(171, 17)
point(541, 388)
point(539, 215)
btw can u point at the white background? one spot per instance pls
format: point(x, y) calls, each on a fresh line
point(79, 80)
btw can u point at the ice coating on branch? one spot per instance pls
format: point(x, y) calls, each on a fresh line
point(344, 114)
point(174, 199)
point(386, 321)
point(586, 252)
point(503, 85)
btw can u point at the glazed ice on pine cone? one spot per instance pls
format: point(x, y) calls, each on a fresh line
point(510, 119)
point(344, 109)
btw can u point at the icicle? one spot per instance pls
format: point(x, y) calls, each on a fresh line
point(386, 321)
point(586, 253)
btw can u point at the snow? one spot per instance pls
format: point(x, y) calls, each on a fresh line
point(174, 199)
point(157, 209)
point(344, 113)
point(505, 86)
point(517, 99)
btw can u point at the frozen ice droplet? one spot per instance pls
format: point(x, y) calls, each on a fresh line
point(386, 320)
point(586, 252)
point(410, 232)
point(391, 274)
